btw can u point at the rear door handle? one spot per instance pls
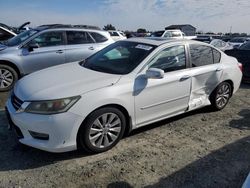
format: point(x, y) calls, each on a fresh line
point(91, 48)
point(184, 78)
point(59, 51)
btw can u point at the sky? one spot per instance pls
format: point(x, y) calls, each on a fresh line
point(205, 15)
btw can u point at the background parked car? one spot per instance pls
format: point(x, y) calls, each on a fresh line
point(117, 35)
point(237, 41)
point(220, 44)
point(7, 32)
point(243, 56)
point(46, 46)
point(173, 33)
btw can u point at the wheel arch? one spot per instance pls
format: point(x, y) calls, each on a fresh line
point(231, 84)
point(12, 65)
point(128, 127)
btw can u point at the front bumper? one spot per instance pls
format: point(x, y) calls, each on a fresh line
point(61, 128)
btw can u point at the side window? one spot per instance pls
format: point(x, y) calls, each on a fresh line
point(167, 34)
point(98, 37)
point(170, 59)
point(113, 34)
point(200, 55)
point(216, 55)
point(48, 39)
point(78, 37)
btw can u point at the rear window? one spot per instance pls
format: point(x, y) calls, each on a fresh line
point(201, 55)
point(217, 56)
point(78, 37)
point(113, 34)
point(98, 37)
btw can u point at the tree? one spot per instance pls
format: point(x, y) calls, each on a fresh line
point(109, 27)
point(141, 30)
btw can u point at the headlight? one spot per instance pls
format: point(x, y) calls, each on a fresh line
point(51, 106)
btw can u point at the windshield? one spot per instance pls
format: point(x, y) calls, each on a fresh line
point(20, 38)
point(240, 40)
point(245, 46)
point(119, 58)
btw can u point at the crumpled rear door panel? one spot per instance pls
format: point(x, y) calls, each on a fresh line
point(204, 81)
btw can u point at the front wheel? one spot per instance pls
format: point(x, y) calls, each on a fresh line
point(8, 77)
point(102, 130)
point(221, 96)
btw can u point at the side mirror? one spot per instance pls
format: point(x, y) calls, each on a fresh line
point(32, 46)
point(155, 73)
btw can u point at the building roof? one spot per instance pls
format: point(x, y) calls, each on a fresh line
point(178, 26)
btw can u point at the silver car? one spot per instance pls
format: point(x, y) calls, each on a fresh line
point(47, 46)
point(127, 85)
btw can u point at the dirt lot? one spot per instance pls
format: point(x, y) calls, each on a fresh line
point(198, 149)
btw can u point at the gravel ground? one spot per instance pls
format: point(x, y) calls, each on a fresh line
point(198, 149)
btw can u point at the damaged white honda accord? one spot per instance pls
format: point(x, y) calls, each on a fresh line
point(129, 84)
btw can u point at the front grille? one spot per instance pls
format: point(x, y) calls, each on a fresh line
point(16, 102)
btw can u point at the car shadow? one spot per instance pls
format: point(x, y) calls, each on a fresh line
point(245, 86)
point(225, 167)
point(204, 110)
point(244, 122)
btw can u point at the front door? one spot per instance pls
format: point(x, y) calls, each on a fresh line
point(158, 98)
point(48, 50)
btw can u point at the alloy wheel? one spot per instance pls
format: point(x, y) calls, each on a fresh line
point(105, 130)
point(223, 95)
point(6, 78)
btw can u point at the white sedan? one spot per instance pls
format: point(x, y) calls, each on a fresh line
point(129, 84)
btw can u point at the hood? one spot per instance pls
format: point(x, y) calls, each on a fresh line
point(62, 81)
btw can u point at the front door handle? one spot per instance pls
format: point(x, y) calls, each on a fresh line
point(218, 69)
point(59, 51)
point(184, 78)
point(91, 48)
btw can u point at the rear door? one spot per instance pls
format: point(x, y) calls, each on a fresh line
point(80, 45)
point(206, 72)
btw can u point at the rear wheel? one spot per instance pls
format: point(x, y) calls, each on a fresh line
point(221, 96)
point(8, 77)
point(102, 130)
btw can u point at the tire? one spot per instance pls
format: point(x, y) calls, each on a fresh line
point(221, 95)
point(102, 130)
point(8, 77)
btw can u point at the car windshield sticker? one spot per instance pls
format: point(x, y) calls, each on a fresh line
point(144, 47)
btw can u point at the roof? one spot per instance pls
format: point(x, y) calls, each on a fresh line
point(56, 26)
point(156, 41)
point(179, 26)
